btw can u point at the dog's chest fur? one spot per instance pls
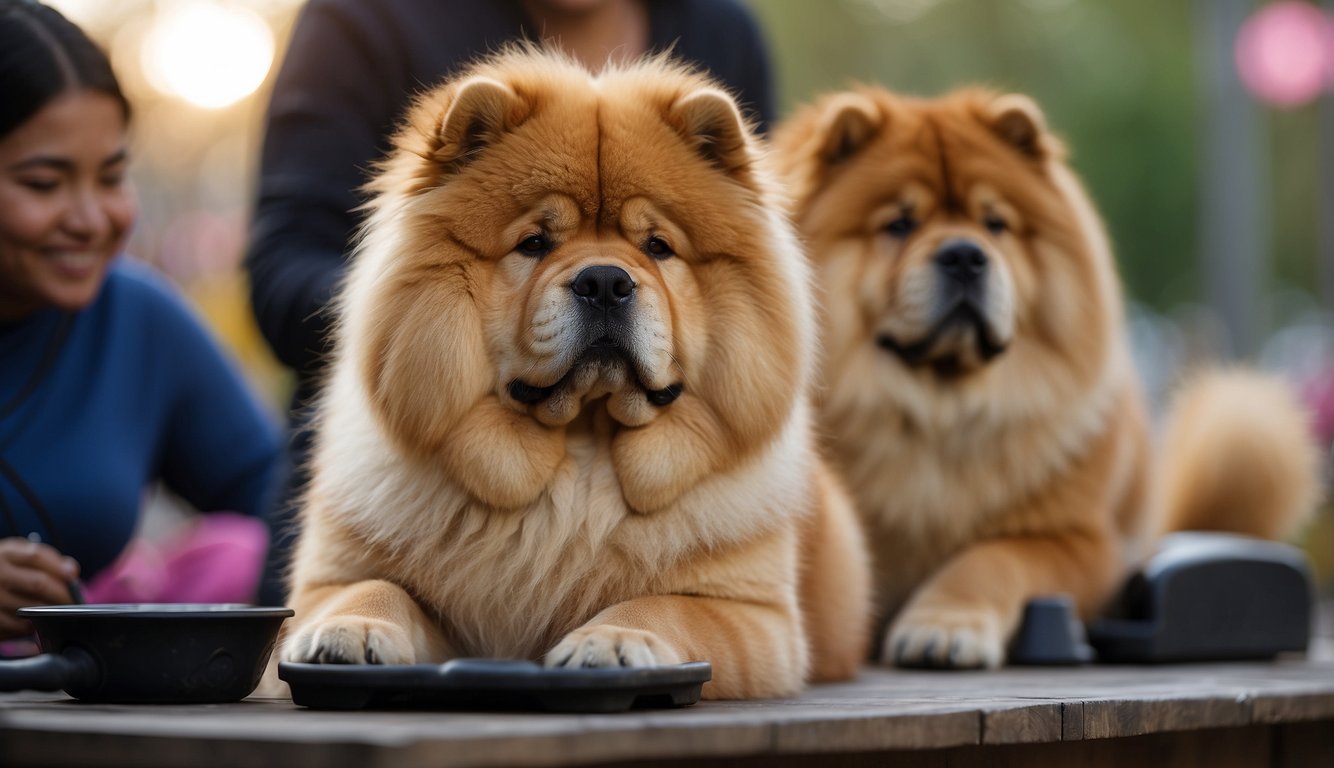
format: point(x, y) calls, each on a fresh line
point(510, 583)
point(926, 491)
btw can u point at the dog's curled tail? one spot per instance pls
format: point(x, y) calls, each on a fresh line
point(1239, 455)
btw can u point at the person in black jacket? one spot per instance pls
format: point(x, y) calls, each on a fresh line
point(351, 69)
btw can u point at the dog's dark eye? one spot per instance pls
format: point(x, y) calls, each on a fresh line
point(902, 226)
point(995, 224)
point(536, 246)
point(658, 248)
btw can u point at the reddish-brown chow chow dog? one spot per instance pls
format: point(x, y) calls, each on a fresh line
point(977, 392)
point(568, 418)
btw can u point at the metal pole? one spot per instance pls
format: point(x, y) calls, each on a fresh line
point(1234, 214)
point(1324, 214)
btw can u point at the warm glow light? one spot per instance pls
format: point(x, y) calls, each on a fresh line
point(83, 12)
point(1282, 52)
point(207, 53)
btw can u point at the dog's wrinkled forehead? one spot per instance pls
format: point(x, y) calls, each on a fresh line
point(946, 155)
point(870, 145)
point(568, 132)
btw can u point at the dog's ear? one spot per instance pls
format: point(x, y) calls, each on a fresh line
point(846, 125)
point(483, 109)
point(1019, 122)
point(710, 122)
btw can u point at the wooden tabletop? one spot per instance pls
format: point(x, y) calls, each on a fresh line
point(883, 710)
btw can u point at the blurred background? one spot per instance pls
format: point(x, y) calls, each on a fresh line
point(1204, 130)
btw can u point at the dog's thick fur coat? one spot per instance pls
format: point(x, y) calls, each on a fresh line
point(977, 391)
point(519, 457)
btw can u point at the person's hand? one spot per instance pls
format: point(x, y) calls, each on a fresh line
point(31, 574)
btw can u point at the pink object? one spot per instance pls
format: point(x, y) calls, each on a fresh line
point(1285, 52)
point(1319, 395)
point(215, 560)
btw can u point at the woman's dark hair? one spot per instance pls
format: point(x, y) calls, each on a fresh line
point(42, 56)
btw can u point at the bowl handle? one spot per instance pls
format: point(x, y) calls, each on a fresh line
point(50, 671)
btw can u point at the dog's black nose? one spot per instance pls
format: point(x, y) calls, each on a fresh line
point(603, 287)
point(962, 261)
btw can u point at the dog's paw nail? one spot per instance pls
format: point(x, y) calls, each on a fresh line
point(350, 640)
point(956, 654)
point(948, 639)
point(900, 650)
point(609, 646)
point(929, 650)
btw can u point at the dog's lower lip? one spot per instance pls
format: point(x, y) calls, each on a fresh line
point(530, 395)
point(664, 396)
point(989, 349)
point(915, 353)
point(527, 393)
point(947, 367)
point(911, 353)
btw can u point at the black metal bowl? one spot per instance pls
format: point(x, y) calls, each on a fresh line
point(147, 653)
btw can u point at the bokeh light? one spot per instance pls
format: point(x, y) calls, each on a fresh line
point(82, 12)
point(208, 53)
point(1283, 53)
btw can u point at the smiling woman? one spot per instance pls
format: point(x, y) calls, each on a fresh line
point(64, 205)
point(108, 382)
point(64, 209)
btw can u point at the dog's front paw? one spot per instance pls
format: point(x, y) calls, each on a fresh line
point(350, 640)
point(607, 646)
point(946, 638)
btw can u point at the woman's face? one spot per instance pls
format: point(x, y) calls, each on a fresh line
point(65, 205)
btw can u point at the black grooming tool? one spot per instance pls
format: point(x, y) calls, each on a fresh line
point(1050, 634)
point(1210, 596)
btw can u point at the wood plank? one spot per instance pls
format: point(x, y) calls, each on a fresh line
point(1317, 704)
point(1239, 748)
point(857, 731)
point(1134, 717)
point(1022, 723)
point(884, 712)
point(1072, 720)
point(1250, 747)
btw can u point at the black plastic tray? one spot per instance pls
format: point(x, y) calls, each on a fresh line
point(489, 684)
